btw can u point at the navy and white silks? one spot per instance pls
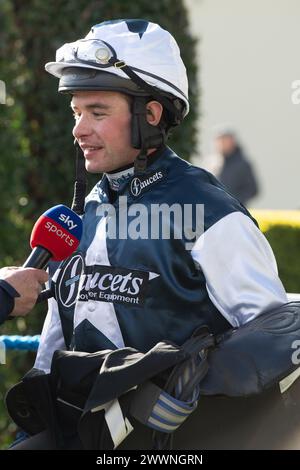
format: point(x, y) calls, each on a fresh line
point(118, 291)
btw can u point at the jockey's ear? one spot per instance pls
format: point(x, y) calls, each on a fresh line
point(154, 112)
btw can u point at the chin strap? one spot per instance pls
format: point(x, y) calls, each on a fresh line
point(144, 135)
point(140, 163)
point(80, 182)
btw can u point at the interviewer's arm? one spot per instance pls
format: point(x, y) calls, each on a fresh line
point(19, 288)
point(7, 299)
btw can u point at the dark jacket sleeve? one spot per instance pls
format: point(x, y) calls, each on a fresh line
point(239, 177)
point(248, 187)
point(7, 299)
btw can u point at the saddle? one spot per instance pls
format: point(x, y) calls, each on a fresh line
point(98, 396)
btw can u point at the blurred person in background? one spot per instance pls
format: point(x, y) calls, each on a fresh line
point(230, 165)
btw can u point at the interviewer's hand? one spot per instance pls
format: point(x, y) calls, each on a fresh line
point(28, 283)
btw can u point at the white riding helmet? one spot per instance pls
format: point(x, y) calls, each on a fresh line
point(135, 57)
point(138, 51)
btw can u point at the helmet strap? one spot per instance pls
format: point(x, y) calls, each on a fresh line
point(170, 106)
point(144, 136)
point(80, 182)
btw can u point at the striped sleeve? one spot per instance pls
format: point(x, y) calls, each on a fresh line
point(51, 338)
point(240, 269)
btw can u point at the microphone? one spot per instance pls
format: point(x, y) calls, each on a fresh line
point(55, 236)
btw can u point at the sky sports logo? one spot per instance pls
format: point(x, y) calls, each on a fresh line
point(66, 219)
point(62, 223)
point(63, 220)
point(59, 232)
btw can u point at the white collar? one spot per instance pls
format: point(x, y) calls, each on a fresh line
point(115, 180)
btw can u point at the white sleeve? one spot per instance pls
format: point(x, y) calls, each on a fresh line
point(51, 338)
point(240, 269)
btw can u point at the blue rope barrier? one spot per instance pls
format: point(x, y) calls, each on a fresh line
point(26, 343)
